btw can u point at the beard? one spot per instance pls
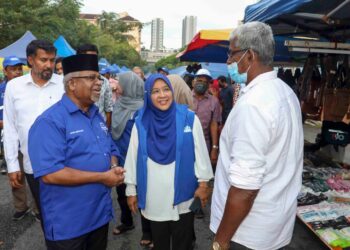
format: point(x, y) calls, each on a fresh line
point(46, 74)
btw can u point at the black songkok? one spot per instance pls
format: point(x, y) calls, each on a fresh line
point(79, 62)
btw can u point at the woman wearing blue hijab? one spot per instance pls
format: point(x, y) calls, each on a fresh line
point(167, 165)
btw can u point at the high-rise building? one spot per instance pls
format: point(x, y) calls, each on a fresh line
point(157, 34)
point(189, 29)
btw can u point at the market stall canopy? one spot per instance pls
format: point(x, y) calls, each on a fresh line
point(215, 69)
point(212, 46)
point(103, 63)
point(63, 47)
point(319, 18)
point(18, 48)
point(207, 46)
point(124, 69)
point(115, 69)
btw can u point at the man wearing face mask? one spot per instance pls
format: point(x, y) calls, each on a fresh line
point(259, 169)
point(207, 108)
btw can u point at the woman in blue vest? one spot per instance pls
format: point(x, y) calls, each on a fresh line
point(167, 165)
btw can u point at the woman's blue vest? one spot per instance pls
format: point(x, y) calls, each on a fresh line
point(185, 181)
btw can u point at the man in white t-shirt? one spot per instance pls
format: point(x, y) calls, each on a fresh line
point(259, 169)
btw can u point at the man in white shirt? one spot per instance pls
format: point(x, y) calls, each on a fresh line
point(26, 97)
point(258, 175)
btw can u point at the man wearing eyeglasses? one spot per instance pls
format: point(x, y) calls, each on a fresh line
point(259, 169)
point(26, 97)
point(75, 159)
point(105, 102)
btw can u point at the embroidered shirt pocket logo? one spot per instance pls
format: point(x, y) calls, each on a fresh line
point(187, 129)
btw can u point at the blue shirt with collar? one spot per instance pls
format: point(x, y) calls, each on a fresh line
point(2, 96)
point(65, 136)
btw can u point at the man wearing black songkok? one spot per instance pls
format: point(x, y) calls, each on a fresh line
point(75, 159)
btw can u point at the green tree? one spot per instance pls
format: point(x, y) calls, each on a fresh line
point(47, 19)
point(169, 62)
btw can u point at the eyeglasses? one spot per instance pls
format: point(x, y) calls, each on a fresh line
point(231, 53)
point(90, 78)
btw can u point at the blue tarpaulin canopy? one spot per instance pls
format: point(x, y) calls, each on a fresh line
point(215, 69)
point(103, 63)
point(18, 48)
point(115, 69)
point(63, 47)
point(320, 18)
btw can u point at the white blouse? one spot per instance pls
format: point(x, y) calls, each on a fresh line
point(160, 178)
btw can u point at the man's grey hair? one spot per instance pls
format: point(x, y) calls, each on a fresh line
point(69, 76)
point(257, 36)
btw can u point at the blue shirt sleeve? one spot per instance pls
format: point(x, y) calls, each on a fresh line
point(46, 147)
point(114, 149)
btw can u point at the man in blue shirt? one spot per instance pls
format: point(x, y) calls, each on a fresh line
point(75, 159)
point(12, 68)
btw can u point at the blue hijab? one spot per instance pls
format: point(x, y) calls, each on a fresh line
point(160, 125)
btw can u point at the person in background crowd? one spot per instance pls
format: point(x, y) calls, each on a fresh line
point(163, 70)
point(207, 108)
point(214, 88)
point(131, 99)
point(75, 160)
point(226, 97)
point(138, 71)
point(188, 78)
point(105, 102)
point(182, 93)
point(297, 74)
point(26, 97)
point(13, 67)
point(259, 170)
point(167, 165)
point(58, 66)
point(113, 83)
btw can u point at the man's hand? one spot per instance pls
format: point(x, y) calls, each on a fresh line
point(214, 156)
point(114, 177)
point(132, 203)
point(15, 179)
point(203, 193)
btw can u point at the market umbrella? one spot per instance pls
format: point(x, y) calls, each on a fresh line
point(212, 46)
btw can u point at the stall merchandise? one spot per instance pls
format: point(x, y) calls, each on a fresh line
point(324, 200)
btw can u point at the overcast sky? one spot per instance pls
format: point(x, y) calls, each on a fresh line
point(213, 14)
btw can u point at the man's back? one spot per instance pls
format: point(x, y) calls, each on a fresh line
point(262, 149)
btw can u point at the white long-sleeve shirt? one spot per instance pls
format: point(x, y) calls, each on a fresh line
point(261, 148)
point(160, 178)
point(24, 102)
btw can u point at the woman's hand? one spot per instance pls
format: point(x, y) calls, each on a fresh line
point(132, 203)
point(203, 193)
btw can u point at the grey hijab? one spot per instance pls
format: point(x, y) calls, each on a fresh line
point(128, 103)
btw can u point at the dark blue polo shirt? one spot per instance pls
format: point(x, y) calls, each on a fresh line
point(2, 95)
point(65, 136)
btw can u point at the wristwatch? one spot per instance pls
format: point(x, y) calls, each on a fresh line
point(215, 146)
point(114, 165)
point(216, 246)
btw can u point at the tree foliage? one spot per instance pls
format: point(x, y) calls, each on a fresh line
point(169, 62)
point(47, 19)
